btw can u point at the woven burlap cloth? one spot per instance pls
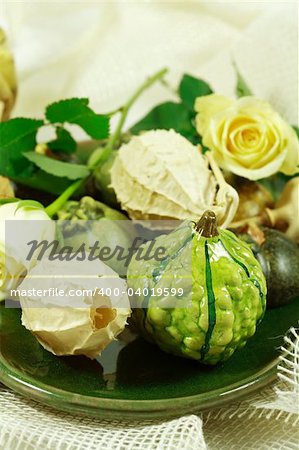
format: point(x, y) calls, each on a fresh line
point(103, 50)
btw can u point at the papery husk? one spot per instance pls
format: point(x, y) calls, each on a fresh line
point(68, 325)
point(160, 175)
point(285, 214)
point(6, 188)
point(75, 331)
point(8, 79)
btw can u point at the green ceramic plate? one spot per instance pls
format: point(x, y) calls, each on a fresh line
point(136, 380)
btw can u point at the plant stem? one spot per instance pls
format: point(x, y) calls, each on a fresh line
point(102, 154)
point(66, 194)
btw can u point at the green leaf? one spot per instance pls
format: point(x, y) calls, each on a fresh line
point(58, 168)
point(3, 201)
point(177, 116)
point(44, 181)
point(64, 141)
point(17, 136)
point(204, 149)
point(166, 116)
point(296, 130)
point(77, 111)
point(190, 88)
point(242, 88)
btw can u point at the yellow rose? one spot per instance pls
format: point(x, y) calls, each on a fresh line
point(247, 136)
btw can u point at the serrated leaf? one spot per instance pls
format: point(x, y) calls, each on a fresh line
point(242, 88)
point(77, 111)
point(64, 141)
point(166, 116)
point(43, 181)
point(190, 88)
point(17, 136)
point(58, 168)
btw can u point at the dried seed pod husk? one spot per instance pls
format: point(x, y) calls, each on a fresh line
point(254, 198)
point(285, 215)
point(8, 79)
point(74, 325)
point(6, 188)
point(160, 175)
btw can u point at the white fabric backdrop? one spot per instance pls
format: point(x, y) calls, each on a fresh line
point(103, 50)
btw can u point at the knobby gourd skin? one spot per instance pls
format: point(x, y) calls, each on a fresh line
point(223, 284)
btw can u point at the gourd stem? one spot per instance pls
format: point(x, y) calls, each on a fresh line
point(207, 225)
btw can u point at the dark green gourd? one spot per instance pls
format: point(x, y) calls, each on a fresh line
point(279, 258)
point(224, 292)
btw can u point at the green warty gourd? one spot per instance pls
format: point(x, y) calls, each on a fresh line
point(224, 292)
